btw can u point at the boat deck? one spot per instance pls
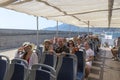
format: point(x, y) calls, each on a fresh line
point(104, 68)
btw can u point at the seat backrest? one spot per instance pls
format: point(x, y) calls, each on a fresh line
point(20, 61)
point(37, 73)
point(40, 75)
point(40, 49)
point(18, 70)
point(81, 60)
point(44, 67)
point(67, 67)
point(4, 64)
point(49, 59)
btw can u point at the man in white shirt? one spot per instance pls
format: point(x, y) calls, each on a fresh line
point(89, 58)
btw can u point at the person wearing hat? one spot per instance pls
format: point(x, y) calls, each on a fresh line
point(48, 47)
point(26, 52)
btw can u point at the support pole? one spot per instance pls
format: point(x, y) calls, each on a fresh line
point(37, 29)
point(70, 31)
point(110, 7)
point(78, 31)
point(88, 26)
point(57, 29)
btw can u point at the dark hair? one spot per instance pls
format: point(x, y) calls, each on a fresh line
point(24, 56)
point(68, 44)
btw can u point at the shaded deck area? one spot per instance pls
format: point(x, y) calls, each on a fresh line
point(104, 68)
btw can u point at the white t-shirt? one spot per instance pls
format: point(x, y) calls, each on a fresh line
point(89, 53)
point(33, 59)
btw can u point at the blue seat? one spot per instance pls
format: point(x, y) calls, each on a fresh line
point(81, 64)
point(37, 73)
point(18, 70)
point(67, 67)
point(40, 75)
point(80, 76)
point(40, 49)
point(41, 66)
point(49, 59)
point(20, 61)
point(4, 64)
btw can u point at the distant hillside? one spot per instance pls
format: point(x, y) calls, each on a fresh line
point(66, 27)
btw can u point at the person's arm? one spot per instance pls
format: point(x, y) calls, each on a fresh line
point(91, 58)
point(19, 52)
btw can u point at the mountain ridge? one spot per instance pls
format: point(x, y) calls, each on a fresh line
point(67, 27)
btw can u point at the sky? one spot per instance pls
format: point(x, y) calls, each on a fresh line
point(15, 20)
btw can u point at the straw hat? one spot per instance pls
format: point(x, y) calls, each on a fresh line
point(46, 41)
point(25, 44)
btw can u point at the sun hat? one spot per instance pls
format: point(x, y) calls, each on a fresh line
point(46, 41)
point(25, 44)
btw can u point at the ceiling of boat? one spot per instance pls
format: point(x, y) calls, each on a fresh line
point(96, 13)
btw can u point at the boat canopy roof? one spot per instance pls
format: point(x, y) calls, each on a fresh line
point(97, 13)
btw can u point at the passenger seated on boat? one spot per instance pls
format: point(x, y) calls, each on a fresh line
point(65, 41)
point(26, 52)
point(114, 51)
point(89, 58)
point(79, 43)
point(71, 46)
point(75, 39)
point(61, 47)
point(48, 47)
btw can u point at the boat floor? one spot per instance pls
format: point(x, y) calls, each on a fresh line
point(104, 68)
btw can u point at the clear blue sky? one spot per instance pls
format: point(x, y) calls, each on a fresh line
point(15, 20)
